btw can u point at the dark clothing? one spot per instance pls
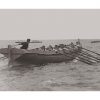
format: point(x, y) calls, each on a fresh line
point(24, 45)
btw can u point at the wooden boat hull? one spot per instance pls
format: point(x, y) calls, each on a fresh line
point(37, 57)
point(29, 58)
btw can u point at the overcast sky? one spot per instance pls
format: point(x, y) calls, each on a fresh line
point(49, 24)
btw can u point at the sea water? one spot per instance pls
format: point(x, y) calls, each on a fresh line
point(71, 76)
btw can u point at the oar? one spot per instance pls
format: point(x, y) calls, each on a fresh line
point(85, 61)
point(80, 58)
point(91, 51)
point(89, 58)
point(85, 53)
point(30, 42)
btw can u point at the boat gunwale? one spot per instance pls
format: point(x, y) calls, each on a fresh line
point(43, 53)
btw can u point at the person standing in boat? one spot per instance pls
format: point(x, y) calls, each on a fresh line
point(25, 44)
point(79, 45)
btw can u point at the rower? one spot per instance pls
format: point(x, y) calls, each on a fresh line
point(25, 44)
point(49, 48)
point(78, 45)
point(72, 45)
point(43, 48)
point(61, 46)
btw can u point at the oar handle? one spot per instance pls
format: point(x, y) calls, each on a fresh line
point(31, 42)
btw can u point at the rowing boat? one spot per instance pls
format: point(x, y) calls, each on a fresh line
point(36, 57)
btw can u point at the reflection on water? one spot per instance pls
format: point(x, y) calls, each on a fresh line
point(61, 76)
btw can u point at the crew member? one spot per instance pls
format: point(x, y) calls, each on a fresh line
point(25, 44)
point(79, 45)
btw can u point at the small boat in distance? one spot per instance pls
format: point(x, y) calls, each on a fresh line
point(38, 56)
point(95, 41)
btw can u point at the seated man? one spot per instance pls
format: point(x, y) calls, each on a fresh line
point(43, 48)
point(61, 46)
point(72, 45)
point(50, 48)
point(56, 47)
point(25, 44)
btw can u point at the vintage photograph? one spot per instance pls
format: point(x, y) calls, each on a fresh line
point(49, 50)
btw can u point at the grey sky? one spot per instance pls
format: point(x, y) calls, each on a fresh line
point(49, 24)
